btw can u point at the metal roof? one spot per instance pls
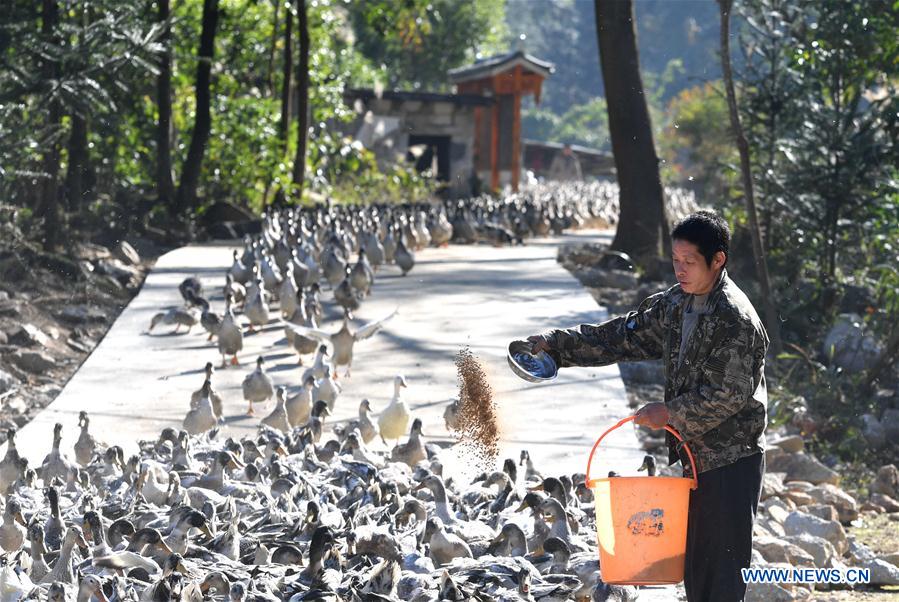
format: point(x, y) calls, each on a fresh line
point(402, 95)
point(499, 63)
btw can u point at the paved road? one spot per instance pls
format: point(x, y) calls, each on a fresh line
point(134, 384)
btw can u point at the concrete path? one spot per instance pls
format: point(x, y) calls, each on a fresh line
point(135, 384)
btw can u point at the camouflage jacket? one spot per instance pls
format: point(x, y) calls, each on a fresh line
point(716, 397)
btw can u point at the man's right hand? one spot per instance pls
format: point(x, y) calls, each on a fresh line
point(538, 344)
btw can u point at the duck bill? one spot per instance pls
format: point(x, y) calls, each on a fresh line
point(206, 530)
point(99, 595)
point(536, 487)
point(20, 519)
point(281, 450)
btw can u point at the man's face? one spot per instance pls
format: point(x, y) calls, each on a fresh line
point(690, 269)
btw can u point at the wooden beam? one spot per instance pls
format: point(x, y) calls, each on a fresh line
point(494, 148)
point(516, 130)
point(478, 126)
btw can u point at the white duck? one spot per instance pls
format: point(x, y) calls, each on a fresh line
point(299, 406)
point(327, 389)
point(394, 420)
point(278, 418)
point(201, 417)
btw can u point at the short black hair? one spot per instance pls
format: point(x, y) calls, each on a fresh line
point(708, 231)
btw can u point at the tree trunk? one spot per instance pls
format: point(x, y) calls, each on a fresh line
point(299, 163)
point(78, 180)
point(190, 174)
point(761, 265)
point(284, 125)
point(165, 186)
point(48, 202)
point(270, 70)
point(641, 198)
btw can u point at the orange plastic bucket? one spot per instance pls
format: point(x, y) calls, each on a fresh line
point(641, 523)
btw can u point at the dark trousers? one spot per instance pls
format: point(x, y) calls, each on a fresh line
point(719, 530)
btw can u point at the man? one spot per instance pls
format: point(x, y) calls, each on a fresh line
point(713, 345)
point(565, 166)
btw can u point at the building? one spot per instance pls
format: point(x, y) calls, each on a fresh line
point(472, 138)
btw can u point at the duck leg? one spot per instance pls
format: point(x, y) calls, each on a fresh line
point(234, 361)
point(209, 338)
point(250, 411)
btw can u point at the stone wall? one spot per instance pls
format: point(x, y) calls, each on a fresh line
point(390, 140)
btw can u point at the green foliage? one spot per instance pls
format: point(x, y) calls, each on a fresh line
point(418, 41)
point(697, 145)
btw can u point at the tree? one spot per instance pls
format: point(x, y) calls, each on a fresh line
point(190, 175)
point(746, 170)
point(299, 163)
point(287, 70)
point(642, 227)
point(418, 41)
point(48, 202)
point(165, 186)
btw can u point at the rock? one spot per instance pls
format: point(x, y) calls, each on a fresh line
point(33, 361)
point(645, 372)
point(598, 278)
point(821, 550)
point(125, 253)
point(118, 270)
point(779, 509)
point(882, 572)
point(80, 314)
point(109, 285)
point(892, 558)
point(887, 481)
point(799, 485)
point(800, 498)
point(825, 511)
point(859, 552)
point(872, 507)
point(773, 592)
point(890, 422)
point(222, 211)
point(773, 455)
point(849, 347)
point(774, 549)
point(802, 467)
point(772, 484)
point(3, 338)
point(615, 260)
point(790, 444)
point(799, 522)
point(90, 252)
point(845, 504)
point(4, 296)
point(7, 381)
point(29, 335)
point(873, 431)
point(885, 502)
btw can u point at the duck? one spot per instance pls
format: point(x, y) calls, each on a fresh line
point(233, 289)
point(57, 465)
point(257, 386)
point(451, 415)
point(413, 451)
point(327, 389)
point(10, 466)
point(12, 530)
point(362, 276)
point(209, 320)
point(190, 288)
point(317, 370)
point(299, 406)
point(203, 391)
point(404, 257)
point(86, 446)
point(278, 418)
point(54, 528)
point(367, 429)
point(39, 566)
point(287, 294)
point(239, 272)
point(201, 417)
point(530, 473)
point(343, 341)
point(444, 547)
point(230, 337)
point(177, 317)
point(61, 572)
point(256, 308)
point(560, 528)
point(584, 565)
point(394, 419)
point(346, 296)
point(649, 465)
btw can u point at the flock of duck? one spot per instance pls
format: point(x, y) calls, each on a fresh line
point(299, 511)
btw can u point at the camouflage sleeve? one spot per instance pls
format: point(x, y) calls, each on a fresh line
point(635, 336)
point(727, 381)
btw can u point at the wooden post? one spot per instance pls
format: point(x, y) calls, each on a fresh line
point(494, 146)
point(478, 126)
point(516, 129)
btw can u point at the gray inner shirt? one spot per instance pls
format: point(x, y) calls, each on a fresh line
point(695, 306)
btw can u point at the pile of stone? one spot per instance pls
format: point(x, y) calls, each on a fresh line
point(54, 309)
point(802, 520)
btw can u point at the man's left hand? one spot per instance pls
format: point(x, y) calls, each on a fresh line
point(654, 415)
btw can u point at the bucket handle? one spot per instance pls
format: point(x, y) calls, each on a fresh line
point(624, 421)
